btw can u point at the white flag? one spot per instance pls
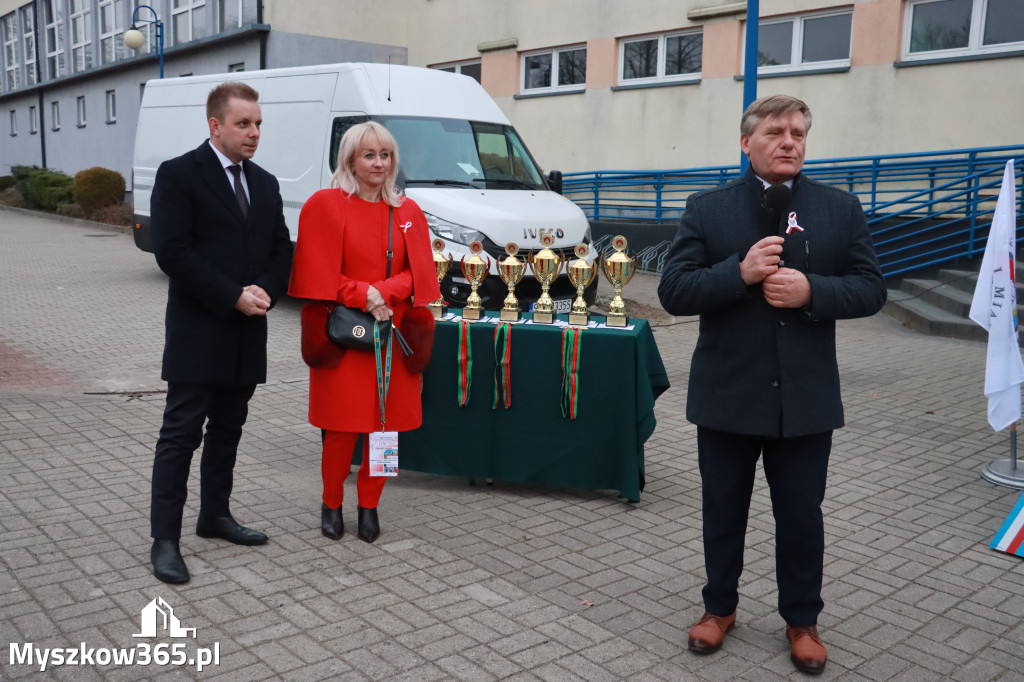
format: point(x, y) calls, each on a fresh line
point(995, 308)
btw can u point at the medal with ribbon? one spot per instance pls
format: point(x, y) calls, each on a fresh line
point(502, 365)
point(465, 363)
point(572, 340)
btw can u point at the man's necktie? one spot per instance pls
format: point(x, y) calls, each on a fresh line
point(243, 202)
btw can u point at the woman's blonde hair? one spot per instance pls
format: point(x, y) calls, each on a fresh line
point(351, 143)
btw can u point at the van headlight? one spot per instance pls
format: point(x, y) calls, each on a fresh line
point(451, 231)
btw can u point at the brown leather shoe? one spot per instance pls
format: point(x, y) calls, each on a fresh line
point(806, 649)
point(707, 635)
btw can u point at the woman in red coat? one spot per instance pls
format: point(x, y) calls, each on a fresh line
point(341, 256)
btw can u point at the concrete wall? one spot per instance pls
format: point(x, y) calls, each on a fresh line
point(295, 49)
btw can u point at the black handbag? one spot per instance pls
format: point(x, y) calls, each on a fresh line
point(353, 327)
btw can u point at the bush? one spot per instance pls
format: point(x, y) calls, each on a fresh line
point(71, 210)
point(46, 189)
point(96, 188)
point(116, 214)
point(6, 182)
point(12, 197)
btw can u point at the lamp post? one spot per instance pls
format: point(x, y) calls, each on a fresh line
point(134, 39)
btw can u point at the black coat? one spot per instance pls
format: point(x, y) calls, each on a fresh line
point(210, 252)
point(756, 369)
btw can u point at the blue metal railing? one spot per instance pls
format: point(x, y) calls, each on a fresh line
point(923, 209)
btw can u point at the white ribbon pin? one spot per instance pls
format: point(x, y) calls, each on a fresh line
point(405, 226)
point(792, 224)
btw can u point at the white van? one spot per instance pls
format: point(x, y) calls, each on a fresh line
point(461, 159)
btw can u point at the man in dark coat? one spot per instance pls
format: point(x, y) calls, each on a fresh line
point(219, 234)
point(769, 270)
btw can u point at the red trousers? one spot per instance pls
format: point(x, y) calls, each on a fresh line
point(335, 465)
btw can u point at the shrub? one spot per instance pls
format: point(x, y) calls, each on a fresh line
point(96, 188)
point(12, 197)
point(6, 182)
point(47, 190)
point(71, 210)
point(116, 214)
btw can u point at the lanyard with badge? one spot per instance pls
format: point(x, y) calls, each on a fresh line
point(384, 444)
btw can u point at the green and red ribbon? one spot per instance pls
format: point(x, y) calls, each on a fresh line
point(465, 363)
point(502, 365)
point(383, 369)
point(572, 341)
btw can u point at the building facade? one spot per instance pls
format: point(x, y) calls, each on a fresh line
point(591, 84)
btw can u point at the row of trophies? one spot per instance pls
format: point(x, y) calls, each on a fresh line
point(546, 266)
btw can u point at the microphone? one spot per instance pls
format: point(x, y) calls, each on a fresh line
point(776, 201)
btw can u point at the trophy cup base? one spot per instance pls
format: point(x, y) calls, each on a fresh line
point(439, 312)
point(579, 319)
point(510, 316)
point(616, 320)
point(543, 317)
point(471, 313)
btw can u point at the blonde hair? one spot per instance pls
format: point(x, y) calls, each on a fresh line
point(772, 106)
point(351, 143)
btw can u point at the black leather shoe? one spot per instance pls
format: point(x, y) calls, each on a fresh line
point(331, 524)
point(167, 562)
point(226, 528)
point(369, 528)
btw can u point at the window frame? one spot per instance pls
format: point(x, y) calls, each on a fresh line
point(660, 75)
point(33, 120)
point(797, 43)
point(975, 44)
point(55, 115)
point(28, 44)
point(145, 26)
point(190, 8)
point(457, 67)
point(14, 122)
point(56, 65)
point(10, 37)
point(117, 13)
point(237, 67)
point(80, 111)
point(554, 87)
point(111, 106)
point(83, 47)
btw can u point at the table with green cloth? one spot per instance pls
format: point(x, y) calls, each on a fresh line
point(620, 375)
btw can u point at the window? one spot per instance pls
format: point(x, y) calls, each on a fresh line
point(111, 27)
point(810, 42)
point(53, 16)
point(235, 13)
point(664, 58)
point(188, 20)
point(81, 111)
point(940, 28)
point(28, 43)
point(14, 122)
point(235, 68)
point(81, 36)
point(471, 69)
point(33, 120)
point(563, 70)
point(144, 23)
point(12, 67)
point(111, 106)
point(54, 115)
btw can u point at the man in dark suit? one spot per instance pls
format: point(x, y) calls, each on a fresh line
point(219, 234)
point(769, 270)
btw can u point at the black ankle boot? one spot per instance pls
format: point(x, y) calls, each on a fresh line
point(369, 528)
point(331, 524)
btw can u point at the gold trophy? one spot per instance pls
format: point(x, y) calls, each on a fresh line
point(581, 274)
point(475, 269)
point(546, 267)
point(619, 269)
point(441, 264)
point(511, 270)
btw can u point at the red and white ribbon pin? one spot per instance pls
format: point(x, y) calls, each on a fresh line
point(792, 224)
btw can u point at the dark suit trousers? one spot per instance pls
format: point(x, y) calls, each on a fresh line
point(188, 407)
point(796, 469)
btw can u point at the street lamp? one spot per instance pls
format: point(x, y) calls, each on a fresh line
point(134, 39)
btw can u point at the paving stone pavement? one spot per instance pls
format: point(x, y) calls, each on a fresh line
point(502, 582)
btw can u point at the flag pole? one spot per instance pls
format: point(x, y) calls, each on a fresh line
point(1005, 471)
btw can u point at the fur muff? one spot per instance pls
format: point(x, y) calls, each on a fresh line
point(317, 350)
point(418, 329)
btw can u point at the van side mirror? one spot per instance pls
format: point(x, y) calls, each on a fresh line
point(555, 181)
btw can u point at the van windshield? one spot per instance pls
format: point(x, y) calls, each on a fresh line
point(444, 151)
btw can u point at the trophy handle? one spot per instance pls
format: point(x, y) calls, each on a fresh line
point(593, 274)
point(632, 271)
